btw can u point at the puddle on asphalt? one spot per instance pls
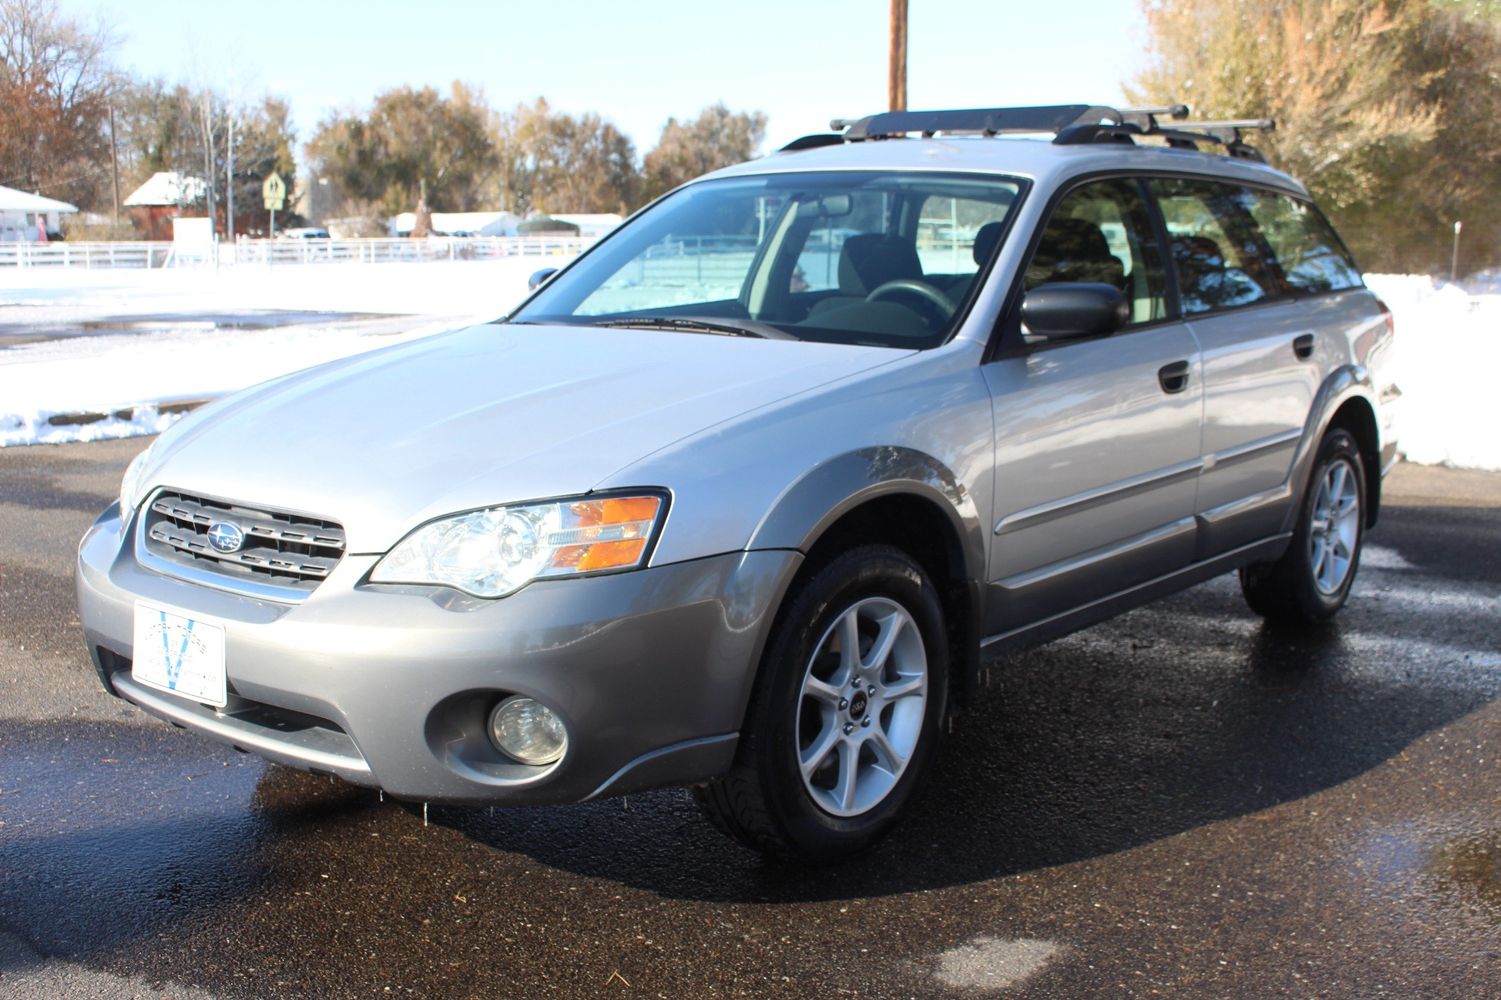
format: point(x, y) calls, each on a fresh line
point(1470, 868)
point(1433, 875)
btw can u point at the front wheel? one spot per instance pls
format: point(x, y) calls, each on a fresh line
point(845, 714)
point(1313, 578)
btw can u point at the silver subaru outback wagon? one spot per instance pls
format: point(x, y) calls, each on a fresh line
point(742, 497)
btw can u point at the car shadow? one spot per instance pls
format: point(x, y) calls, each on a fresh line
point(1167, 719)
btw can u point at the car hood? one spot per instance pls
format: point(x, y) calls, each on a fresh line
point(384, 441)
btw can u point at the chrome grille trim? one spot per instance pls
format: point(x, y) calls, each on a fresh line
point(285, 555)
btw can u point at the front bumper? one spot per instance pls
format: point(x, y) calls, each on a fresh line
point(390, 687)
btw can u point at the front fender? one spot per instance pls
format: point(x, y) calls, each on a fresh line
point(808, 507)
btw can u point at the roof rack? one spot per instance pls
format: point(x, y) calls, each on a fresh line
point(1070, 124)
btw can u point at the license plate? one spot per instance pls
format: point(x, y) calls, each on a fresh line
point(179, 654)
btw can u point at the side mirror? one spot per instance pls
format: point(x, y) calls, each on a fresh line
point(1069, 309)
point(538, 277)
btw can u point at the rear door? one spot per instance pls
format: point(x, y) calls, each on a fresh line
point(1097, 440)
point(1246, 261)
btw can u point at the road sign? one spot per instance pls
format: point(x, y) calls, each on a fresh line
point(275, 193)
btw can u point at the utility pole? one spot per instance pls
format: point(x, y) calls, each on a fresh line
point(896, 80)
point(229, 185)
point(114, 159)
point(206, 121)
point(1454, 260)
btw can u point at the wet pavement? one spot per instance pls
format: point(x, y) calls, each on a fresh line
point(1176, 803)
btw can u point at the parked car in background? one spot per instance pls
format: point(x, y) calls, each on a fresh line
point(303, 233)
point(743, 496)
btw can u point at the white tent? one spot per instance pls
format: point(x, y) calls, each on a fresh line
point(167, 187)
point(29, 217)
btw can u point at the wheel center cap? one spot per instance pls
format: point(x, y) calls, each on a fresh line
point(858, 704)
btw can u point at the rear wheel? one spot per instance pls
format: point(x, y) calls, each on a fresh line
point(845, 714)
point(1313, 578)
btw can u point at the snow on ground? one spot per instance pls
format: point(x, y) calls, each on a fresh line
point(1447, 357)
point(164, 356)
point(1447, 364)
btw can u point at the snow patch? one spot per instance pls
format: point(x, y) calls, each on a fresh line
point(988, 964)
point(1446, 361)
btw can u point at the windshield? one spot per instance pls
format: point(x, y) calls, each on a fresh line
point(882, 259)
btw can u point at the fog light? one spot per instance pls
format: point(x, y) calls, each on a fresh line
point(528, 730)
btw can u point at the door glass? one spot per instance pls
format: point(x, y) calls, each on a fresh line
point(1221, 256)
point(1100, 232)
point(1311, 256)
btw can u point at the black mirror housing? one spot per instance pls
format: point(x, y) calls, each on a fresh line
point(1066, 310)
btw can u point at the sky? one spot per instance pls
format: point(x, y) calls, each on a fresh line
point(637, 64)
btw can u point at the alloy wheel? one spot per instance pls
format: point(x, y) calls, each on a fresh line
point(861, 706)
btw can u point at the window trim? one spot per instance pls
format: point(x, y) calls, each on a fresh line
point(996, 349)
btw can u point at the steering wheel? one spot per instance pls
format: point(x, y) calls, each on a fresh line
point(915, 287)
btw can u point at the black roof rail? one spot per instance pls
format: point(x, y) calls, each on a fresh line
point(812, 141)
point(1070, 124)
point(970, 121)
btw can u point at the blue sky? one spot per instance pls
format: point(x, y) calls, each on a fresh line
point(637, 63)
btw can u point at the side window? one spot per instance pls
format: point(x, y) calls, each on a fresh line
point(1310, 255)
point(1101, 232)
point(1221, 256)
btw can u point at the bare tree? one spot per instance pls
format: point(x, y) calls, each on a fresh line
point(717, 138)
point(55, 87)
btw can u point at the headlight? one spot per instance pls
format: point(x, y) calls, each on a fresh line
point(130, 484)
point(495, 552)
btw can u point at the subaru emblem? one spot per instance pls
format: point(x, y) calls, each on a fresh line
point(226, 536)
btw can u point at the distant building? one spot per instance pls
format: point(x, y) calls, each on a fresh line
point(591, 226)
point(166, 196)
point(459, 224)
point(502, 224)
point(30, 218)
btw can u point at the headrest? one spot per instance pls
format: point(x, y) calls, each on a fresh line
point(986, 238)
point(869, 260)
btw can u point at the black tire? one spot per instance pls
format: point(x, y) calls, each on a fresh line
point(1288, 591)
point(764, 801)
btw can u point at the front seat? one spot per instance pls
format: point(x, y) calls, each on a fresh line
point(866, 262)
point(1075, 250)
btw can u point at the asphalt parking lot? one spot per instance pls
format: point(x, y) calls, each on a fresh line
point(1177, 803)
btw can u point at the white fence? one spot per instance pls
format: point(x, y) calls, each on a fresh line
point(276, 252)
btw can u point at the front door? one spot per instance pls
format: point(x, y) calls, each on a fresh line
point(1096, 440)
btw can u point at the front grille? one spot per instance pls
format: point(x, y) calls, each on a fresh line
point(286, 550)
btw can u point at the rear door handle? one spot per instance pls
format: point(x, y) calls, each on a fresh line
point(1303, 346)
point(1174, 377)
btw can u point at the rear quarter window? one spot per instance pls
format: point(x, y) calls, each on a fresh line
point(1311, 256)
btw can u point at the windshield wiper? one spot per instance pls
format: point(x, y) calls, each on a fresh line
point(692, 324)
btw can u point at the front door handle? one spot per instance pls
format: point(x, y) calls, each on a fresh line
point(1174, 377)
point(1303, 346)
